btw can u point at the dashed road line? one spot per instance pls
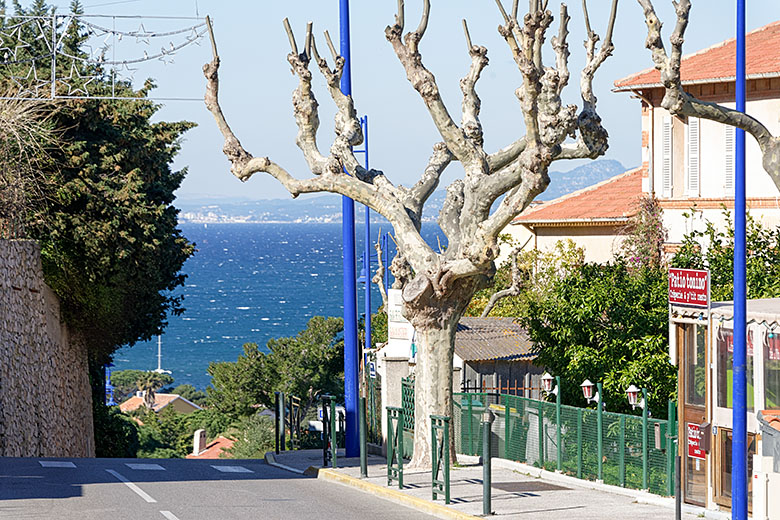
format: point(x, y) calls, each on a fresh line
point(169, 515)
point(232, 469)
point(138, 491)
point(56, 464)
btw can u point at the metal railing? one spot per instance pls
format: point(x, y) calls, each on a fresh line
point(440, 457)
point(395, 446)
point(615, 448)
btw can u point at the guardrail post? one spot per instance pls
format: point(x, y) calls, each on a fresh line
point(487, 421)
point(622, 446)
point(645, 454)
point(395, 446)
point(471, 427)
point(326, 437)
point(671, 435)
point(541, 434)
point(579, 442)
point(282, 418)
point(600, 420)
point(507, 428)
point(363, 446)
point(558, 421)
point(440, 456)
point(276, 422)
point(334, 436)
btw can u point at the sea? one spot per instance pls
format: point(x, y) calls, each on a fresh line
point(248, 283)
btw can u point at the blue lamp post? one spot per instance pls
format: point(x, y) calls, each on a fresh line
point(350, 285)
point(739, 476)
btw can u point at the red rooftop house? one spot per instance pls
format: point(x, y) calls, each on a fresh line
point(593, 217)
point(689, 162)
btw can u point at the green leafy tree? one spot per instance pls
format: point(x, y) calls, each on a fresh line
point(713, 249)
point(126, 382)
point(306, 365)
point(110, 245)
point(116, 434)
point(255, 436)
point(606, 323)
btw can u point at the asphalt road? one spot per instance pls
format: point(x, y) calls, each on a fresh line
point(176, 489)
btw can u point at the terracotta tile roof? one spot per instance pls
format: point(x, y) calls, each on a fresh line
point(214, 448)
point(610, 201)
point(160, 402)
point(717, 64)
point(484, 339)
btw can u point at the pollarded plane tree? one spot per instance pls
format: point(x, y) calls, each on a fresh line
point(438, 286)
point(680, 103)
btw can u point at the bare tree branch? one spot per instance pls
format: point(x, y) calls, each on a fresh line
point(680, 103)
point(515, 288)
point(379, 275)
point(419, 193)
point(471, 102)
point(424, 82)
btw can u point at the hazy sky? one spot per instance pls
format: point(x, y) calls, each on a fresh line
point(256, 83)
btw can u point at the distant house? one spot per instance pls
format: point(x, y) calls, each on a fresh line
point(689, 162)
point(214, 449)
point(592, 217)
point(496, 355)
point(161, 401)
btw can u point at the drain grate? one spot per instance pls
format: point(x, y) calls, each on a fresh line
point(526, 486)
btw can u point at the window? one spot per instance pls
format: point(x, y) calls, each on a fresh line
point(772, 370)
point(729, 138)
point(692, 157)
point(696, 376)
point(725, 346)
point(666, 154)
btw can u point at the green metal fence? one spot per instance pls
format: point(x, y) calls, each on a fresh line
point(527, 430)
point(373, 404)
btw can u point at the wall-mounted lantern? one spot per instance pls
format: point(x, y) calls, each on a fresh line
point(587, 392)
point(547, 384)
point(632, 392)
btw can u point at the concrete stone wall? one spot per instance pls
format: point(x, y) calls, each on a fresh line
point(45, 398)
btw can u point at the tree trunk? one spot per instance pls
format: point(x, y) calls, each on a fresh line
point(433, 387)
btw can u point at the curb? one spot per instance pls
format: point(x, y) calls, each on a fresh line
point(271, 461)
point(438, 510)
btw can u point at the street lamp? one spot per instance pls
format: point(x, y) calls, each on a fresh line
point(587, 392)
point(547, 384)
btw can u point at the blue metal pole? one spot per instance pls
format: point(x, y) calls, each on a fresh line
point(351, 356)
point(739, 476)
point(367, 248)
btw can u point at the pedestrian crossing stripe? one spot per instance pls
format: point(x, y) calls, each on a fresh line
point(232, 469)
point(56, 464)
point(146, 467)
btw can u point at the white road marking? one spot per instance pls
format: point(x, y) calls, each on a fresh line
point(138, 491)
point(232, 469)
point(56, 464)
point(169, 515)
point(146, 467)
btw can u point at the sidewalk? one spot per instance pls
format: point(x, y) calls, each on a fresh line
point(518, 491)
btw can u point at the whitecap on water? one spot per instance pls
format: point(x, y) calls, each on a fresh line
point(243, 308)
point(313, 274)
point(282, 301)
point(264, 319)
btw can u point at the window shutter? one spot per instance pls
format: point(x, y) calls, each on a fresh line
point(692, 131)
point(729, 139)
point(666, 162)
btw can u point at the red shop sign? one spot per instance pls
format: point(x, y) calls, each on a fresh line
point(695, 451)
point(689, 287)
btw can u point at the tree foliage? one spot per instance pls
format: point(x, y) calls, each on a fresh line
point(713, 249)
point(110, 246)
point(306, 365)
point(605, 323)
point(127, 382)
